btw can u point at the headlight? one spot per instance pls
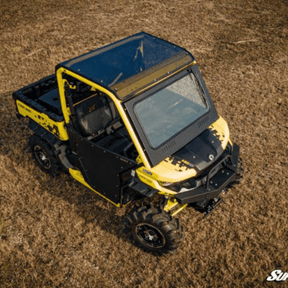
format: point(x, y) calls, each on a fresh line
point(174, 186)
point(164, 184)
point(178, 186)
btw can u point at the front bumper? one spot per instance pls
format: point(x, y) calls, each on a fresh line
point(214, 184)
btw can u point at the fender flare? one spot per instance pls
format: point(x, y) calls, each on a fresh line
point(58, 146)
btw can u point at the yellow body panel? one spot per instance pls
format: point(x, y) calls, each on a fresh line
point(56, 128)
point(165, 171)
point(222, 129)
point(148, 179)
point(76, 174)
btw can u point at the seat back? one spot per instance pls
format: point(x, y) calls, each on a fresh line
point(93, 115)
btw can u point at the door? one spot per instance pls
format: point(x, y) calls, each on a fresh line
point(100, 167)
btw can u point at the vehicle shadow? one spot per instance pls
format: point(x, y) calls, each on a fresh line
point(96, 210)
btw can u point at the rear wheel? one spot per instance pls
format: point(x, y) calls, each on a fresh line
point(154, 229)
point(44, 155)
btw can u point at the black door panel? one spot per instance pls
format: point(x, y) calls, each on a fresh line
point(101, 168)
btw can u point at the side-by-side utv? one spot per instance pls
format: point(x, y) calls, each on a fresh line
point(134, 122)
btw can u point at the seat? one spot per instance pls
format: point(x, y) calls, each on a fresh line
point(94, 115)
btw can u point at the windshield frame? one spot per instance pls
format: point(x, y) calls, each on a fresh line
point(184, 136)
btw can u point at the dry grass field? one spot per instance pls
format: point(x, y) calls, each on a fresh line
point(56, 233)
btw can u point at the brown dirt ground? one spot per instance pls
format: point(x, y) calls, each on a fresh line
point(54, 233)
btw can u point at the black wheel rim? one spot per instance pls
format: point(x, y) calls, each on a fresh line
point(42, 157)
point(150, 235)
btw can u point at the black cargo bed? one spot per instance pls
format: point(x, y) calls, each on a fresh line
point(43, 96)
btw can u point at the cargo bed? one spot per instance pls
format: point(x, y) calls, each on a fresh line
point(43, 96)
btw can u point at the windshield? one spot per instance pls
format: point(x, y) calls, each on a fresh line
point(170, 110)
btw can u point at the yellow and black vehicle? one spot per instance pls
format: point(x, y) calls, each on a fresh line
point(134, 122)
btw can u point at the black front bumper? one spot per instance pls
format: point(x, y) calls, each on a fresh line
point(214, 184)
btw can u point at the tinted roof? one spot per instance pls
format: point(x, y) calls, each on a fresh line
point(124, 59)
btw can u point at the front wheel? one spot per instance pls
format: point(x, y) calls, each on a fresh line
point(154, 229)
